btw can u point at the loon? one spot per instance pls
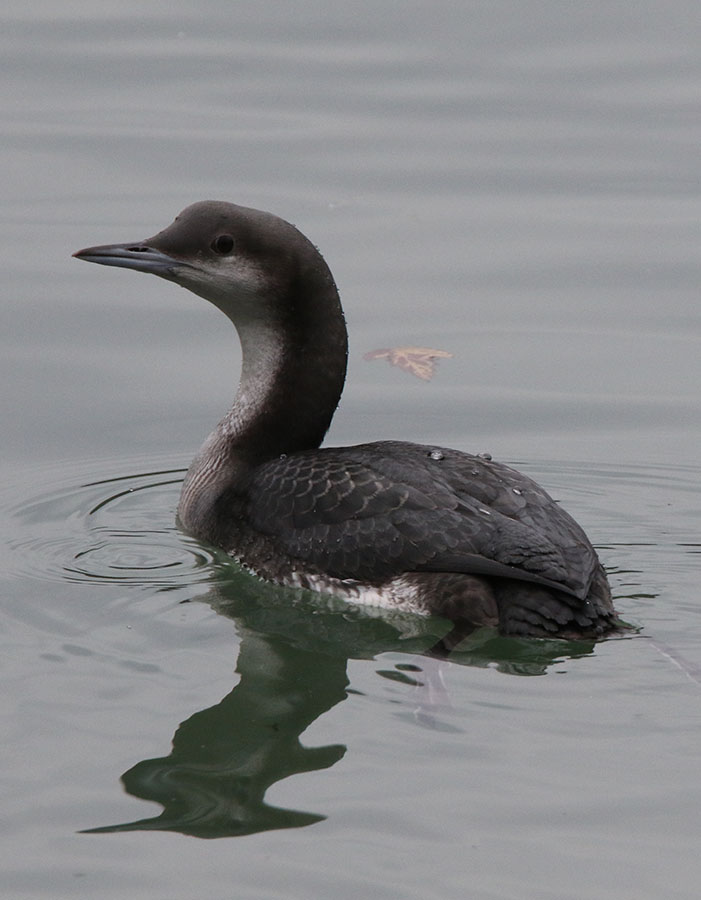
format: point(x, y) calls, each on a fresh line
point(401, 525)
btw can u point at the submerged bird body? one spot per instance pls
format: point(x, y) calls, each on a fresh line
point(391, 523)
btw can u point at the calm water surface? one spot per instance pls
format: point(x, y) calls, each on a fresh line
point(517, 183)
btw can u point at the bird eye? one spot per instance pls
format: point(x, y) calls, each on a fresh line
point(223, 244)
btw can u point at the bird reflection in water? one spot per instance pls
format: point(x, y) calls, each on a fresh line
point(292, 663)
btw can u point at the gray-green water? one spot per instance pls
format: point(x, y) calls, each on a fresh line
point(517, 183)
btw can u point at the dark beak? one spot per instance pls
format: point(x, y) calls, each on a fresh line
point(131, 256)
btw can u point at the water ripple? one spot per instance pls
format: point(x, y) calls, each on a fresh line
point(117, 530)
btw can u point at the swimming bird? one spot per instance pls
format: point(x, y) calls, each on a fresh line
point(391, 523)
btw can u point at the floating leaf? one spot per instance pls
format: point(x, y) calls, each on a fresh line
point(418, 361)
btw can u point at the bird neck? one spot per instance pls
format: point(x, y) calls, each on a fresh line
point(293, 368)
point(290, 385)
